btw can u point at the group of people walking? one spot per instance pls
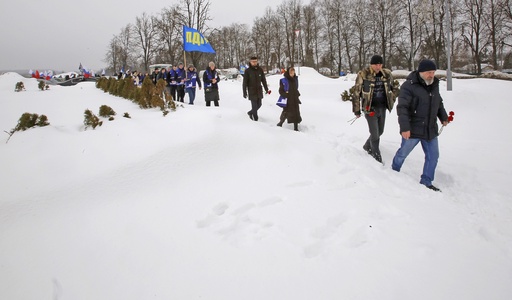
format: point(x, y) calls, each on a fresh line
point(419, 107)
point(255, 81)
point(419, 103)
point(180, 81)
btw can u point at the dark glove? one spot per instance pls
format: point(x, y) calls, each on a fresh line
point(245, 96)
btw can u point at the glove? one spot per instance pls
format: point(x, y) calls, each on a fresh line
point(245, 96)
point(268, 92)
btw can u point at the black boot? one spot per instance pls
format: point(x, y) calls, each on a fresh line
point(377, 157)
point(367, 148)
point(282, 118)
point(296, 126)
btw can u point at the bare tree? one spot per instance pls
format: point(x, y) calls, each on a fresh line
point(169, 29)
point(359, 18)
point(495, 17)
point(145, 36)
point(127, 57)
point(196, 13)
point(289, 15)
point(473, 31)
point(410, 40)
point(112, 57)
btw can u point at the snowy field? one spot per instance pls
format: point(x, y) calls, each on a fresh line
point(206, 204)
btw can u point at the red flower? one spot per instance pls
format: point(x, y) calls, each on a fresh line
point(367, 108)
point(450, 118)
point(371, 114)
point(451, 113)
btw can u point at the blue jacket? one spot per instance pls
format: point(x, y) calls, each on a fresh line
point(419, 107)
point(180, 76)
point(171, 77)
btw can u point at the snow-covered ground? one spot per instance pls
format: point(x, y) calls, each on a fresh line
point(206, 204)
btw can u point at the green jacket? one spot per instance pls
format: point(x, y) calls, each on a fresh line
point(363, 90)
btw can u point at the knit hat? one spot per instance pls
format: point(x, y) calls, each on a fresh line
point(190, 66)
point(427, 65)
point(376, 59)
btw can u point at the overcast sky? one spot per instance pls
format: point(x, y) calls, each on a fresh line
point(61, 34)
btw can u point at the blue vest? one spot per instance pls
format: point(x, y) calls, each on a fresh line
point(192, 80)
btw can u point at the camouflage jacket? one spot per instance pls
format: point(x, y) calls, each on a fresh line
point(363, 90)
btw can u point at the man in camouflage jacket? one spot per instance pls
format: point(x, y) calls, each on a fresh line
point(374, 92)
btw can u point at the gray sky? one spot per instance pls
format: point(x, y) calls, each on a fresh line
point(61, 34)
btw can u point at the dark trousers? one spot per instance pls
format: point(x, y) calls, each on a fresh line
point(255, 105)
point(376, 127)
point(215, 102)
point(173, 92)
point(181, 93)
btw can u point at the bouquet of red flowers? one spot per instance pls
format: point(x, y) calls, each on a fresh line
point(450, 119)
point(369, 111)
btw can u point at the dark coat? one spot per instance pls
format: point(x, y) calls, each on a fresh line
point(419, 107)
point(253, 79)
point(291, 110)
point(211, 90)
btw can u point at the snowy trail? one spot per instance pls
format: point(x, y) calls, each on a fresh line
point(207, 204)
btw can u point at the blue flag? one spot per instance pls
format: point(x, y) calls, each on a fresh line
point(193, 40)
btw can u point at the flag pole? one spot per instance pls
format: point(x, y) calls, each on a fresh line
point(185, 62)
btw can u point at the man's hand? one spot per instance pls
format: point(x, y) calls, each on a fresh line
point(445, 123)
point(245, 95)
point(406, 134)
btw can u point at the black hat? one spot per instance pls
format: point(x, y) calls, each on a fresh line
point(254, 58)
point(427, 65)
point(376, 60)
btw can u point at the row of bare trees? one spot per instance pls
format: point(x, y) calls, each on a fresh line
point(332, 34)
point(157, 38)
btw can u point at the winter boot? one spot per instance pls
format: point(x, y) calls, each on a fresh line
point(296, 126)
point(282, 118)
point(367, 148)
point(377, 157)
point(431, 187)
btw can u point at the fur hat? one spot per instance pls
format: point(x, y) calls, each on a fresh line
point(190, 66)
point(427, 65)
point(376, 59)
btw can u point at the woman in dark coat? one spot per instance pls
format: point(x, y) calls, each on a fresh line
point(211, 87)
point(289, 89)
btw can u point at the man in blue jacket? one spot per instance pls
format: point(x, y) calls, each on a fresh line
point(419, 107)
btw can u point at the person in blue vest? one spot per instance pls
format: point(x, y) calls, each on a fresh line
point(289, 89)
point(190, 83)
point(180, 82)
point(211, 87)
point(171, 77)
